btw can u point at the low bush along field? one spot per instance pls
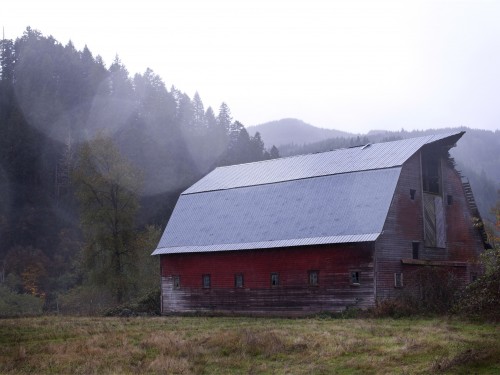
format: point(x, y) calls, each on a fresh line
point(204, 345)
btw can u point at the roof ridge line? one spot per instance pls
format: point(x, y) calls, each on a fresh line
point(293, 179)
point(340, 149)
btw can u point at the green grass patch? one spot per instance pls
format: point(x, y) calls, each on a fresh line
point(239, 345)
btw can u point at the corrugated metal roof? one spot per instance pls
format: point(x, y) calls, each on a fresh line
point(340, 208)
point(376, 156)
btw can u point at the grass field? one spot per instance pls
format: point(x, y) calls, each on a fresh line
point(206, 345)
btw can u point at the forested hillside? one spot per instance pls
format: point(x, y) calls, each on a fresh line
point(55, 103)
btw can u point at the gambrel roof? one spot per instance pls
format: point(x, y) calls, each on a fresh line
point(338, 196)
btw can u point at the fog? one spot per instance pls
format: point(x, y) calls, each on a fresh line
point(348, 65)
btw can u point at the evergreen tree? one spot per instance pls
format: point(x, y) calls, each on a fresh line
point(7, 60)
point(198, 113)
point(257, 147)
point(274, 152)
point(210, 119)
point(224, 119)
point(120, 85)
point(185, 114)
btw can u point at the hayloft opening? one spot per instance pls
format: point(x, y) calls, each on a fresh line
point(431, 173)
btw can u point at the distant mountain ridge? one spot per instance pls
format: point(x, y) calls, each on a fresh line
point(293, 131)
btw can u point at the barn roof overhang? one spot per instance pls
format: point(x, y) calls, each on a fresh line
point(369, 237)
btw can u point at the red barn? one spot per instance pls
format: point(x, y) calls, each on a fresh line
point(319, 232)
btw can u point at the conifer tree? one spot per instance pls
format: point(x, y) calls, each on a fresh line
point(224, 119)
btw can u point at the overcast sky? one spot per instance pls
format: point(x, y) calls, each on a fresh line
point(351, 65)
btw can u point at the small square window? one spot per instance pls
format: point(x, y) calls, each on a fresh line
point(398, 280)
point(412, 194)
point(313, 278)
point(176, 281)
point(275, 280)
point(354, 277)
point(238, 280)
point(206, 281)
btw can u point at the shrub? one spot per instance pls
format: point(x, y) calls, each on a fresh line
point(428, 290)
point(149, 304)
point(13, 304)
point(85, 300)
point(394, 308)
point(481, 298)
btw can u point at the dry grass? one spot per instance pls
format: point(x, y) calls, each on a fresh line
point(189, 345)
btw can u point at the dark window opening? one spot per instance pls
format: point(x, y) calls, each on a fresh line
point(176, 282)
point(238, 280)
point(275, 280)
point(415, 249)
point(398, 280)
point(473, 277)
point(313, 278)
point(354, 277)
point(450, 200)
point(431, 174)
point(412, 194)
point(206, 281)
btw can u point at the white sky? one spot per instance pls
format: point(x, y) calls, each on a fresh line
point(351, 65)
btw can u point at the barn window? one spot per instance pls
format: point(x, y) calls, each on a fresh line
point(238, 280)
point(450, 200)
point(176, 281)
point(398, 280)
point(354, 277)
point(431, 174)
point(313, 278)
point(412, 194)
point(206, 281)
point(275, 279)
point(415, 249)
point(473, 277)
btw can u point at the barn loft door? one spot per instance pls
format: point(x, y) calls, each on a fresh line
point(434, 225)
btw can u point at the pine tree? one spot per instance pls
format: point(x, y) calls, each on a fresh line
point(257, 147)
point(198, 113)
point(274, 153)
point(224, 119)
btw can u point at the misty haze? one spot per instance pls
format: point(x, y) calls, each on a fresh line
point(104, 125)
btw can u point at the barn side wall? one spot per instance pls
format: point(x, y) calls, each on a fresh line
point(405, 226)
point(293, 296)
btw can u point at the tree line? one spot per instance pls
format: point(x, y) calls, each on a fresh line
point(92, 161)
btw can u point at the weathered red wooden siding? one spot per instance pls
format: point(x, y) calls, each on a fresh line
point(464, 241)
point(405, 224)
point(294, 295)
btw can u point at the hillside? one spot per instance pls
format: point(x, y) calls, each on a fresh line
point(293, 131)
point(65, 114)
